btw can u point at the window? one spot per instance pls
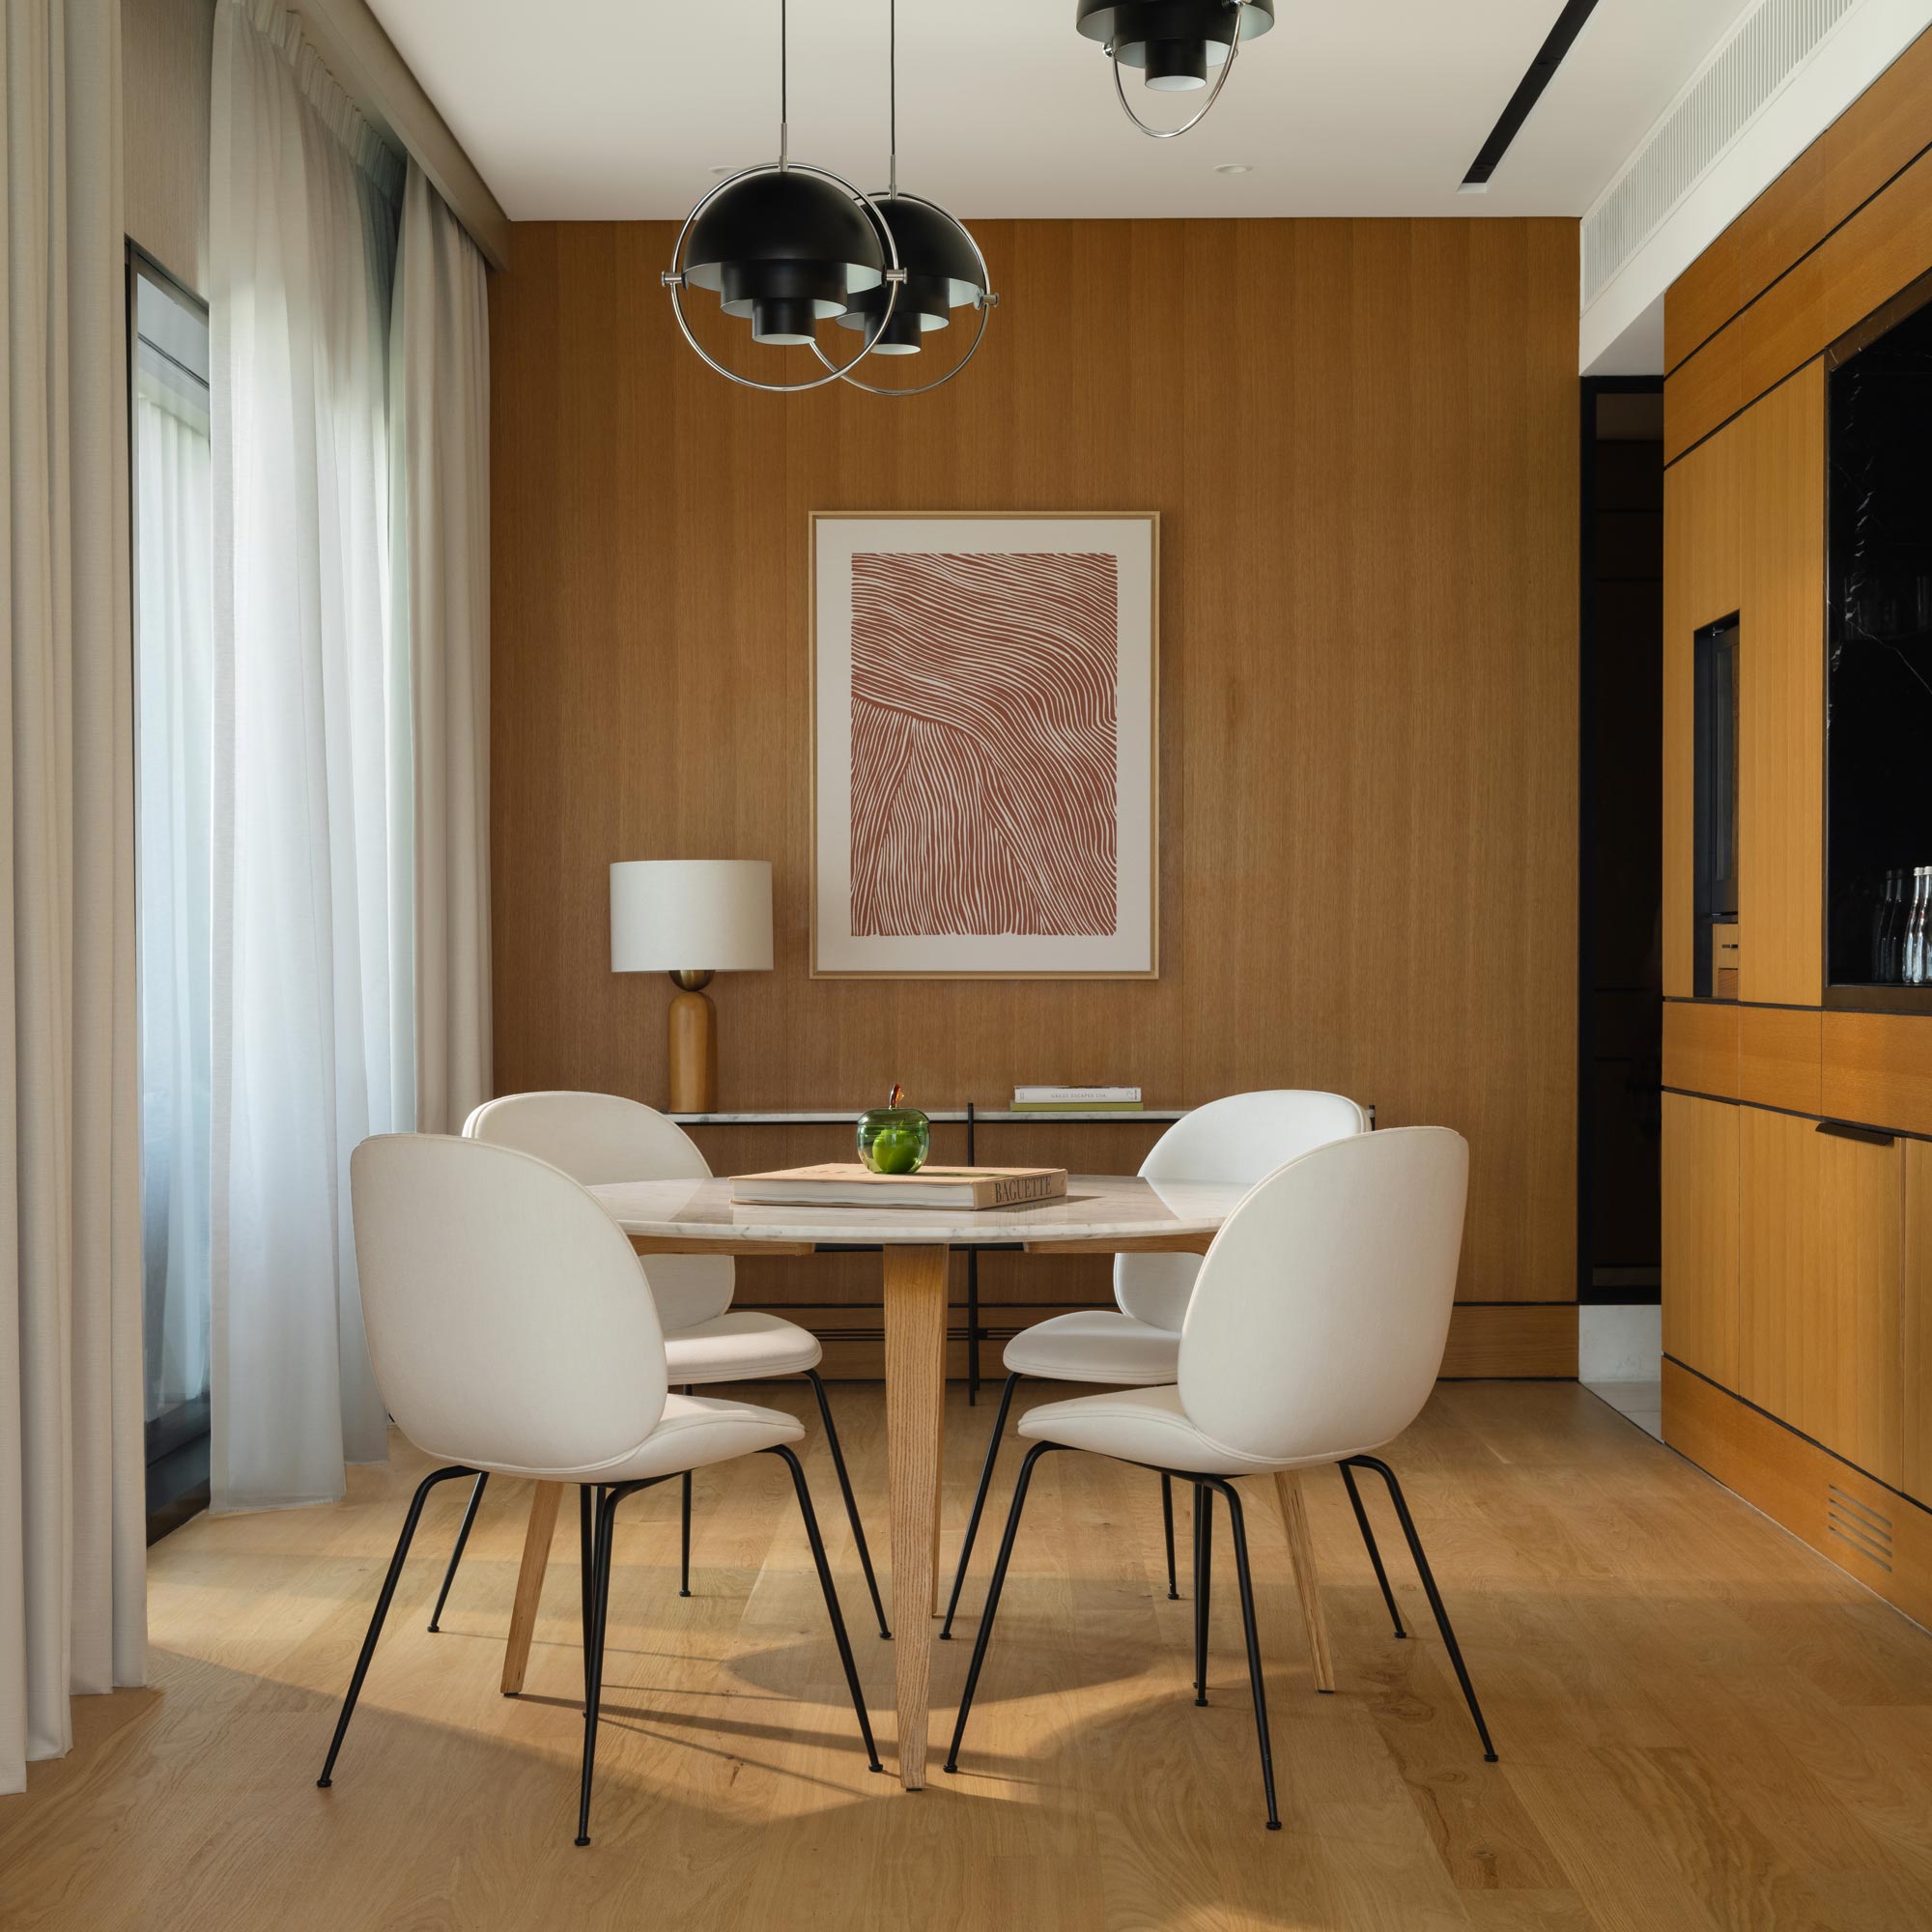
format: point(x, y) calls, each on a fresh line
point(173, 530)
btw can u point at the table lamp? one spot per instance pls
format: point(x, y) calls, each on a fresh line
point(691, 917)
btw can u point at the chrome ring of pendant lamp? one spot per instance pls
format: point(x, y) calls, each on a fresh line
point(893, 278)
point(986, 301)
point(1264, 14)
point(931, 261)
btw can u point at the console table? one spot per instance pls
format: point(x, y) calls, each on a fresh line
point(970, 1117)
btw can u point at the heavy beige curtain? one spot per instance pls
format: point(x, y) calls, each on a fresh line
point(73, 1610)
point(440, 434)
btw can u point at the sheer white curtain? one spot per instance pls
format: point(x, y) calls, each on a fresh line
point(173, 590)
point(439, 389)
point(72, 1615)
point(312, 992)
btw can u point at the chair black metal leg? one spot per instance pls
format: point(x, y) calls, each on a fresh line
point(978, 1504)
point(998, 1585)
point(1434, 1595)
point(600, 1615)
point(587, 1567)
point(1375, 1553)
point(383, 1602)
point(832, 1608)
point(684, 1541)
point(1204, 1571)
point(851, 1503)
point(456, 1554)
point(684, 1533)
point(1246, 1581)
point(1167, 1522)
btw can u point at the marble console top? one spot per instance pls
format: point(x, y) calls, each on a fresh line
point(1096, 1208)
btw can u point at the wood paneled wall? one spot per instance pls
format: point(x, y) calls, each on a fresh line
point(1362, 439)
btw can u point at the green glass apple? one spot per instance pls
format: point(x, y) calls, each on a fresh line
point(894, 1139)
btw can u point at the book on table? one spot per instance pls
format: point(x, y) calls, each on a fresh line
point(847, 1184)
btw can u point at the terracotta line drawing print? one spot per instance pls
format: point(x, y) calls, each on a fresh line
point(985, 796)
point(984, 744)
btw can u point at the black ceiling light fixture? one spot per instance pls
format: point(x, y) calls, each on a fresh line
point(785, 246)
point(1177, 44)
point(943, 265)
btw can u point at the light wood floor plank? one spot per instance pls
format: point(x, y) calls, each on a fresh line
point(1702, 1725)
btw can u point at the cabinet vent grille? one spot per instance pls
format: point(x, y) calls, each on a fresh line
point(1857, 1523)
point(1741, 77)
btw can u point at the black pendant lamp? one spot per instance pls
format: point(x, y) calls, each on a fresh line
point(944, 271)
point(1177, 44)
point(785, 247)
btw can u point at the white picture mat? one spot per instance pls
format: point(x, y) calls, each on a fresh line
point(1131, 948)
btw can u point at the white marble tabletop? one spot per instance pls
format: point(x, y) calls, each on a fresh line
point(1095, 1208)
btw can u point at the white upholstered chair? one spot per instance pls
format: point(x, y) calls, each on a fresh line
point(1314, 1335)
point(1137, 1344)
point(513, 1332)
point(601, 1138)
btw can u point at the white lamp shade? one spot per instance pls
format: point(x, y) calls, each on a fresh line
point(691, 915)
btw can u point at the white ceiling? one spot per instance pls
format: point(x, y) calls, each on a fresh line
point(597, 109)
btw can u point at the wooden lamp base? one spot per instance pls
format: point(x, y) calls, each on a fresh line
point(694, 1053)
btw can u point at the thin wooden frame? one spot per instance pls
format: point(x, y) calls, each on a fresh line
point(1152, 518)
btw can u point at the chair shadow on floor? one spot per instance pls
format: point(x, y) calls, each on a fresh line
point(435, 1821)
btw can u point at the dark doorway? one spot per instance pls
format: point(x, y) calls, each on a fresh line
point(1620, 896)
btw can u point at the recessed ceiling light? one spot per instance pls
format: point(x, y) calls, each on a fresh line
point(1233, 168)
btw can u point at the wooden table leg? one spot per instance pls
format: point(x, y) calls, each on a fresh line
point(915, 1296)
point(544, 1499)
point(1302, 1557)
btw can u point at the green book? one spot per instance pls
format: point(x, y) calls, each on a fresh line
point(1075, 1107)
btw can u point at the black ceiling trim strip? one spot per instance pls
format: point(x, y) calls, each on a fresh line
point(1529, 89)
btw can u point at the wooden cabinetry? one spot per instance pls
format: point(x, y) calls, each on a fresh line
point(1778, 1061)
point(1744, 520)
point(1703, 582)
point(1916, 1349)
point(1855, 1381)
point(1782, 683)
point(1812, 1383)
point(1777, 1257)
point(1700, 1047)
point(1700, 1235)
point(1851, 164)
point(1878, 1069)
point(1847, 1517)
point(1820, 1286)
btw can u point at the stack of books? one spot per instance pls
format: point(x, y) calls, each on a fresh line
point(1076, 1099)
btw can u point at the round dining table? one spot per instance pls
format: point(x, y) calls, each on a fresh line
point(1100, 1214)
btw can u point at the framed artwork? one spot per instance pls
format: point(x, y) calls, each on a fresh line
point(986, 746)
